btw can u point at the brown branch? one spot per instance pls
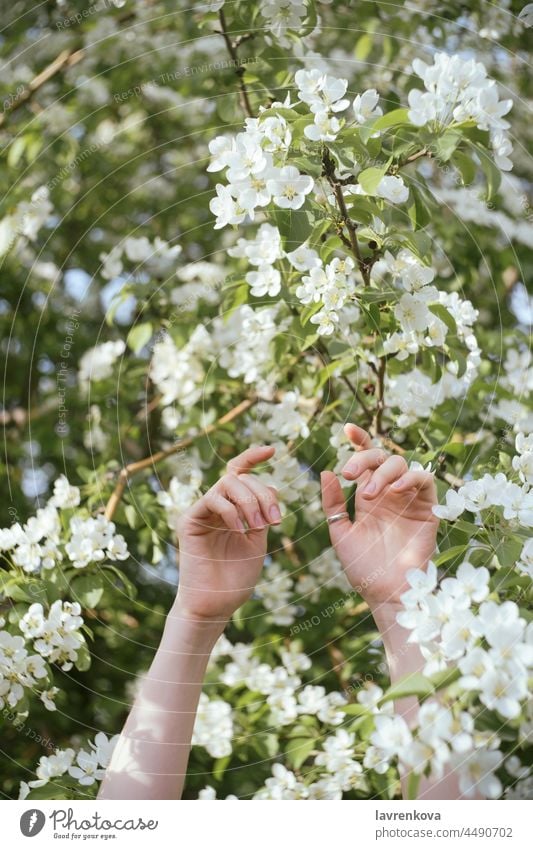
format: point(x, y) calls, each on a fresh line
point(363, 403)
point(65, 59)
point(415, 156)
point(321, 348)
point(352, 241)
point(132, 468)
point(239, 70)
point(380, 404)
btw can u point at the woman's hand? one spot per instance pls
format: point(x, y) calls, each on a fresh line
point(222, 540)
point(394, 528)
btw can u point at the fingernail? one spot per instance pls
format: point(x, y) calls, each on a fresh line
point(275, 514)
point(258, 520)
point(353, 471)
point(241, 527)
point(369, 489)
point(397, 484)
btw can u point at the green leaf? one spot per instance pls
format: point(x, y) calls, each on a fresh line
point(139, 336)
point(338, 365)
point(361, 209)
point(413, 783)
point(132, 516)
point(465, 166)
point(455, 449)
point(363, 46)
point(450, 554)
point(294, 225)
point(508, 551)
point(460, 359)
point(446, 144)
point(298, 750)
point(467, 527)
point(238, 295)
point(83, 661)
point(15, 151)
point(306, 165)
point(370, 178)
point(308, 312)
point(23, 589)
point(129, 588)
point(414, 684)
point(391, 119)
point(492, 172)
point(51, 790)
point(87, 590)
point(444, 314)
point(443, 679)
point(418, 210)
point(320, 229)
point(219, 767)
point(354, 710)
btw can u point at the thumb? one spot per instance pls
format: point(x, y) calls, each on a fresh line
point(333, 502)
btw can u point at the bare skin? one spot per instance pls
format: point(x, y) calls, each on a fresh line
point(220, 563)
point(223, 542)
point(394, 529)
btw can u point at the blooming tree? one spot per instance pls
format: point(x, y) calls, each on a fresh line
point(256, 222)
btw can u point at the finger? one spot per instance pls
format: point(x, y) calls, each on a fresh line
point(200, 515)
point(363, 460)
point(419, 480)
point(266, 498)
point(333, 502)
point(386, 474)
point(358, 436)
point(244, 499)
point(246, 461)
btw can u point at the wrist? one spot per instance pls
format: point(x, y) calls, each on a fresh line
point(393, 635)
point(384, 612)
point(199, 633)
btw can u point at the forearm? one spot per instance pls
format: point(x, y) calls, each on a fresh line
point(150, 760)
point(404, 658)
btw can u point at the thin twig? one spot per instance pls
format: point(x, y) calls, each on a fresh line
point(132, 468)
point(380, 401)
point(321, 348)
point(239, 70)
point(414, 157)
point(352, 241)
point(66, 58)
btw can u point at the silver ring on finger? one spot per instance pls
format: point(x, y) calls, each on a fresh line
point(337, 517)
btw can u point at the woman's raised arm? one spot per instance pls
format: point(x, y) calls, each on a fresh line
point(394, 531)
point(222, 541)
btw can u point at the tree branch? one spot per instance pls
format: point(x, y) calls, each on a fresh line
point(414, 156)
point(352, 241)
point(66, 58)
point(380, 401)
point(239, 70)
point(132, 468)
